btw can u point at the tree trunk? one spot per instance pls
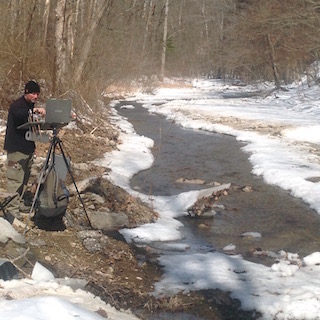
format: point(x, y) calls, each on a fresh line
point(164, 39)
point(273, 62)
point(45, 20)
point(98, 11)
point(25, 48)
point(60, 57)
point(148, 23)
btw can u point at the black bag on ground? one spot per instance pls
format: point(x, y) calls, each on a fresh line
point(53, 197)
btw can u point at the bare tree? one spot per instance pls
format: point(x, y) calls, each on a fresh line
point(148, 23)
point(60, 52)
point(164, 39)
point(45, 20)
point(69, 43)
point(97, 10)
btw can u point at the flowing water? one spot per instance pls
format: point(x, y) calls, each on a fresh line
point(284, 222)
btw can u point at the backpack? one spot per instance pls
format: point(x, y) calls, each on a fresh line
point(53, 197)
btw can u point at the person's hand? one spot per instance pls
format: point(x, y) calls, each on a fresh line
point(41, 111)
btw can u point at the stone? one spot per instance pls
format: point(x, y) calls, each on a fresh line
point(81, 185)
point(7, 270)
point(209, 214)
point(81, 166)
point(8, 232)
point(108, 221)
point(95, 198)
point(93, 240)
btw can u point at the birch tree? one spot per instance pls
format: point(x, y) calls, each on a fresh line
point(60, 52)
point(164, 39)
point(45, 21)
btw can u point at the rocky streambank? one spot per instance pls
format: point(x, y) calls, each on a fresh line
point(87, 245)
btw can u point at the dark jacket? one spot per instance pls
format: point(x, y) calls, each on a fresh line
point(15, 138)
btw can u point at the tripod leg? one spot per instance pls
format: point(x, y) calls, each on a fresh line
point(73, 180)
point(5, 202)
point(45, 167)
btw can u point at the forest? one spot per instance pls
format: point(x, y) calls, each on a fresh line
point(81, 46)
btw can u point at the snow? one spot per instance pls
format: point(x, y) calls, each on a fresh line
point(40, 273)
point(282, 149)
point(281, 133)
point(45, 297)
point(251, 234)
point(34, 308)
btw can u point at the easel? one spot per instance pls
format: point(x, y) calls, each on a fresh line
point(50, 160)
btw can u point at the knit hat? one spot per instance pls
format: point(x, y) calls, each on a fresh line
point(31, 87)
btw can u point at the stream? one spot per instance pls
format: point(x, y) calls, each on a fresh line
point(284, 222)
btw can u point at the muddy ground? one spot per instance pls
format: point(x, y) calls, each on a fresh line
point(119, 273)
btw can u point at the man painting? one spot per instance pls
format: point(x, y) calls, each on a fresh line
point(19, 150)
